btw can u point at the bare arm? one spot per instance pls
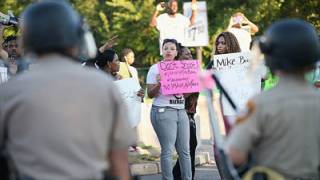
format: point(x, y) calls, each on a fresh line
point(119, 166)
point(108, 44)
point(193, 13)
point(153, 90)
point(3, 53)
point(253, 28)
point(153, 21)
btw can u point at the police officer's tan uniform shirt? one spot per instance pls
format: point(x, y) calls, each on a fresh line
point(282, 128)
point(63, 120)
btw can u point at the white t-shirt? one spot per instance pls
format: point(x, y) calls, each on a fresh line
point(133, 72)
point(243, 37)
point(172, 27)
point(174, 101)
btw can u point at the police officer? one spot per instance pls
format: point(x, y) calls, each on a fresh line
point(62, 121)
point(281, 127)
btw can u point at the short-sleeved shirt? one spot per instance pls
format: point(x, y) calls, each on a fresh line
point(172, 27)
point(281, 129)
point(174, 101)
point(63, 120)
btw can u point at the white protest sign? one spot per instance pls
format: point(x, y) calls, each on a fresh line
point(197, 34)
point(128, 89)
point(3, 74)
point(232, 71)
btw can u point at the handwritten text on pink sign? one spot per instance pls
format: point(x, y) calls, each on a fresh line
point(179, 76)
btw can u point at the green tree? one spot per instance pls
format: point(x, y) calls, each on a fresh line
point(129, 19)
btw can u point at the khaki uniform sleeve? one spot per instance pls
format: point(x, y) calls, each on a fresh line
point(247, 130)
point(122, 135)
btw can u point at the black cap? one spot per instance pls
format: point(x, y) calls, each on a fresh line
point(290, 45)
point(50, 26)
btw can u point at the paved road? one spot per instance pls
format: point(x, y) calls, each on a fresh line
point(205, 172)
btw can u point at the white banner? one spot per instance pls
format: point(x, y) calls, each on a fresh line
point(3, 75)
point(197, 34)
point(128, 89)
point(232, 71)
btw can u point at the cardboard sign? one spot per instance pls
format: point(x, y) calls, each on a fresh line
point(232, 71)
point(179, 76)
point(128, 89)
point(197, 34)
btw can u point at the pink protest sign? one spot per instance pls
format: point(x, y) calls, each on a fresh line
point(179, 76)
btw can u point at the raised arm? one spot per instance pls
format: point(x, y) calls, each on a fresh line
point(194, 12)
point(3, 53)
point(109, 43)
point(153, 20)
point(253, 28)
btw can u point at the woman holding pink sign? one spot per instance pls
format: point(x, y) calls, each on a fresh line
point(169, 118)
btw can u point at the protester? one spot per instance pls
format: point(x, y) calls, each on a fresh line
point(108, 62)
point(280, 128)
point(10, 53)
point(225, 43)
point(172, 24)
point(15, 63)
point(128, 71)
point(191, 102)
point(126, 60)
point(242, 28)
point(169, 118)
point(62, 121)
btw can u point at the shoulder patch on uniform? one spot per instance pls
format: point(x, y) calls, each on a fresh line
point(250, 109)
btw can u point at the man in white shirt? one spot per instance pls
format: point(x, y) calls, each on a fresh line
point(172, 24)
point(242, 28)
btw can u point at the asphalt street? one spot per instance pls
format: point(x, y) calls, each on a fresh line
point(204, 172)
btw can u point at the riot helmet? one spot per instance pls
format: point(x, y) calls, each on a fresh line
point(54, 27)
point(290, 45)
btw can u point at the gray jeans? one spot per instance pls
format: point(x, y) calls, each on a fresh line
point(172, 128)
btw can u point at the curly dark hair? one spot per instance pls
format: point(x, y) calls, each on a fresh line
point(232, 43)
point(8, 39)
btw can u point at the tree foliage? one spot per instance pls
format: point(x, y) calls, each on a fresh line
point(129, 19)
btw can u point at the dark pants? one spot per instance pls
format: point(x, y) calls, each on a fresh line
point(193, 145)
